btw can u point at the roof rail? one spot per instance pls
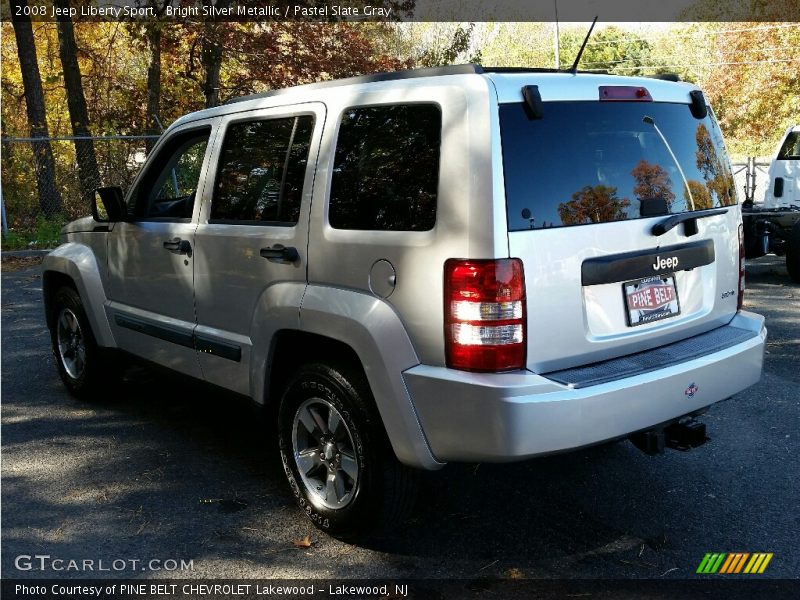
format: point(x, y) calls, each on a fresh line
point(375, 77)
point(665, 76)
point(537, 70)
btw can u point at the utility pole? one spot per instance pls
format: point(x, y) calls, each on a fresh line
point(555, 37)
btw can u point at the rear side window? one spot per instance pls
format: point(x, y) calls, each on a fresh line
point(791, 147)
point(261, 172)
point(386, 168)
point(598, 162)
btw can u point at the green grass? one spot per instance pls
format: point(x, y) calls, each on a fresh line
point(44, 235)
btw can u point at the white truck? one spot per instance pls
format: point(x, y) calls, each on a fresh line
point(774, 226)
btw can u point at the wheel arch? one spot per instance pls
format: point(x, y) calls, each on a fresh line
point(75, 265)
point(364, 331)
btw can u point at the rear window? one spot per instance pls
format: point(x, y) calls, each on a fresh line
point(590, 162)
point(791, 147)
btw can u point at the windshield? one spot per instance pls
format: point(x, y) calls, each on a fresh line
point(593, 162)
point(791, 147)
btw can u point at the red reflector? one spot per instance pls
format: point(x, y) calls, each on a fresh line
point(624, 93)
point(484, 310)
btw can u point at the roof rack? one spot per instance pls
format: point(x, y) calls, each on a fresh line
point(665, 76)
point(536, 70)
point(375, 77)
point(426, 72)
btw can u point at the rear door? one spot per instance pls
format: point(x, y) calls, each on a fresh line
point(253, 231)
point(586, 187)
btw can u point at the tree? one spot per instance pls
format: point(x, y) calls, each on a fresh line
point(593, 204)
point(212, 55)
point(718, 180)
point(652, 181)
point(697, 192)
point(49, 196)
point(79, 115)
point(610, 49)
point(450, 48)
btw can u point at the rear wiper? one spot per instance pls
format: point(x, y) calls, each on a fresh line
point(690, 218)
point(651, 121)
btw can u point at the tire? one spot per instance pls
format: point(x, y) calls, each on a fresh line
point(793, 253)
point(351, 482)
point(82, 365)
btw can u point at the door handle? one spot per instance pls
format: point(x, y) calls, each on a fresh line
point(281, 254)
point(178, 246)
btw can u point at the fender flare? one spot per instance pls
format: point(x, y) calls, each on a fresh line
point(78, 262)
point(372, 328)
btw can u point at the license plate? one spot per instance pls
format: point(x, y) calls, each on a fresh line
point(651, 299)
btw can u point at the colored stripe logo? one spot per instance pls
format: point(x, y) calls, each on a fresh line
point(726, 563)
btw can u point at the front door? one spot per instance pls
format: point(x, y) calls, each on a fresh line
point(151, 255)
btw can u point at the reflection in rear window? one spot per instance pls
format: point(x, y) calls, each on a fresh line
point(590, 162)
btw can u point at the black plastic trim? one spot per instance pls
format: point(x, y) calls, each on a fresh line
point(200, 343)
point(639, 363)
point(217, 348)
point(176, 336)
point(634, 265)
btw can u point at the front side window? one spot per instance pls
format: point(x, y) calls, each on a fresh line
point(386, 168)
point(261, 173)
point(791, 147)
point(598, 162)
point(169, 187)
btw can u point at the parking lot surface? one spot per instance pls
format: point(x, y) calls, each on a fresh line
point(167, 470)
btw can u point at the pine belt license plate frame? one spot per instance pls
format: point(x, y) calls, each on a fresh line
point(662, 290)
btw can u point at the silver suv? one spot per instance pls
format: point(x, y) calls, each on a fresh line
point(457, 264)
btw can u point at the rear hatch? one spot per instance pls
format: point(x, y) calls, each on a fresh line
point(594, 188)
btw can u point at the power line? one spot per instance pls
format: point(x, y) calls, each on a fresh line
point(624, 60)
point(691, 34)
point(711, 64)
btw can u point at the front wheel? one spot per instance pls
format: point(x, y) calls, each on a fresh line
point(337, 459)
point(81, 363)
point(793, 254)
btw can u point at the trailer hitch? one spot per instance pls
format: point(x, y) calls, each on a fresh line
point(681, 435)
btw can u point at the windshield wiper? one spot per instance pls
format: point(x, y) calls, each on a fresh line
point(690, 218)
point(651, 121)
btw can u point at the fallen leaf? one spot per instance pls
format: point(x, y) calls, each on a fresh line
point(303, 543)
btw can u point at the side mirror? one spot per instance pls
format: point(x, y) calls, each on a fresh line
point(111, 207)
point(778, 189)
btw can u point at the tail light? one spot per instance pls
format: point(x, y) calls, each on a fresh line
point(484, 308)
point(740, 296)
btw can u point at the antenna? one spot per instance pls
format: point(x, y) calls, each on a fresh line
point(574, 68)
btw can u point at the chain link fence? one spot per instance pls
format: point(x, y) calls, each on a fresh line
point(62, 191)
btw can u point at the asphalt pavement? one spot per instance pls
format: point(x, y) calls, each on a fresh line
point(165, 470)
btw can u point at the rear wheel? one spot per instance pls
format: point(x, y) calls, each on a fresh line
point(793, 253)
point(337, 459)
point(81, 364)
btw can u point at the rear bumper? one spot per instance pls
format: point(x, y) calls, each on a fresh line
point(502, 417)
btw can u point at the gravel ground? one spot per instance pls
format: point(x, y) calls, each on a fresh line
point(165, 469)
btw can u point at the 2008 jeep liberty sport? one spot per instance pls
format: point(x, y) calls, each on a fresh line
point(456, 264)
